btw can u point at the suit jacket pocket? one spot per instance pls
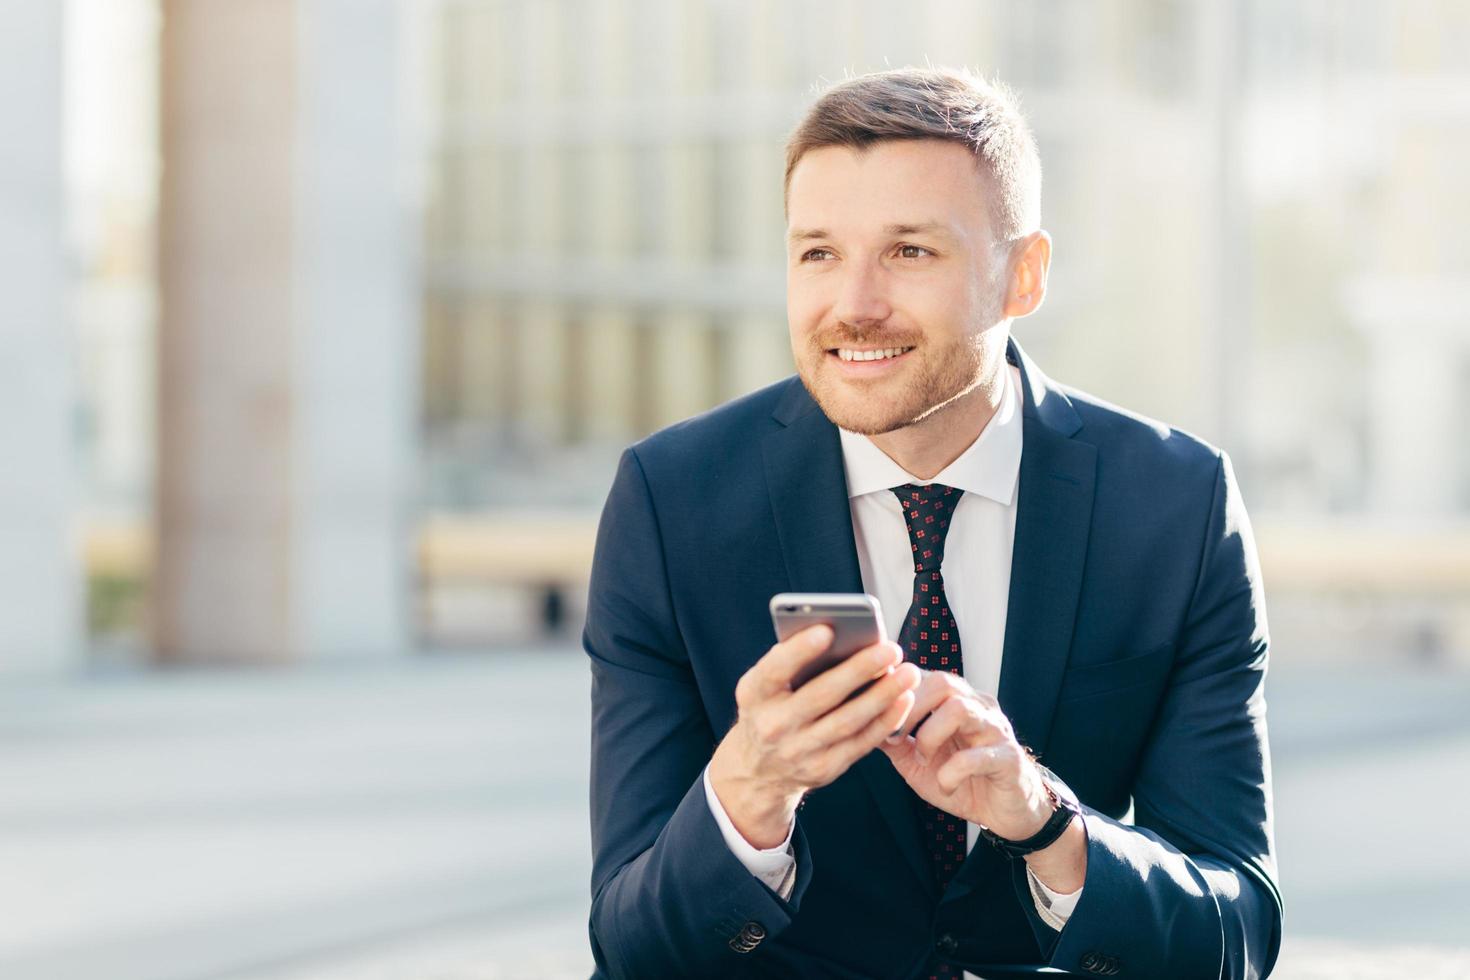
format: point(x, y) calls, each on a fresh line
point(1091, 680)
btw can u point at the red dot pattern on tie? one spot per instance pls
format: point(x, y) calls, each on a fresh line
point(931, 640)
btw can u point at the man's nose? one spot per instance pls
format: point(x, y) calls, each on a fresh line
point(863, 298)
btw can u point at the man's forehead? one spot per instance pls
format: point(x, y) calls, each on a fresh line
point(904, 187)
point(919, 162)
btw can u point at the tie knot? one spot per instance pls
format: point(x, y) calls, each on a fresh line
point(926, 511)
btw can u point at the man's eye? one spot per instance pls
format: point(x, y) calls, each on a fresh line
point(913, 251)
point(816, 254)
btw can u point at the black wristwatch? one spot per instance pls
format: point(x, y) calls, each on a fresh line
point(1063, 813)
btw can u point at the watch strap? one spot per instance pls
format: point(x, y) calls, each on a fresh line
point(1063, 813)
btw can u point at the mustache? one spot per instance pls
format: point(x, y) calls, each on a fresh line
point(884, 337)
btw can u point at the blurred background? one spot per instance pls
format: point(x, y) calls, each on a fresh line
point(324, 322)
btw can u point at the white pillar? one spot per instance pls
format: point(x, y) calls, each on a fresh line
point(286, 340)
point(40, 586)
point(222, 508)
point(356, 353)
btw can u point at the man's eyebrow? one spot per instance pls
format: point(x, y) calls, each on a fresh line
point(919, 228)
point(922, 228)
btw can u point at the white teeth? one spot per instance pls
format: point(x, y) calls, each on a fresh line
point(871, 355)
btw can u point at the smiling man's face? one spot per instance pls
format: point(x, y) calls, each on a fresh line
point(894, 290)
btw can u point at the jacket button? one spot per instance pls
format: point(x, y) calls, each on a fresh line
point(750, 937)
point(1100, 963)
point(947, 944)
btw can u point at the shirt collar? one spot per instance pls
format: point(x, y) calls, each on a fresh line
point(988, 467)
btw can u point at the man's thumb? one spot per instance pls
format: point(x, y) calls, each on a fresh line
point(901, 755)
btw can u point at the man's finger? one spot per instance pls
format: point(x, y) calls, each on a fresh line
point(937, 686)
point(901, 753)
point(832, 686)
point(846, 720)
point(964, 718)
point(872, 736)
point(774, 672)
point(1002, 758)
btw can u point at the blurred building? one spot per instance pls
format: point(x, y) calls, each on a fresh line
point(1253, 205)
point(1235, 194)
point(491, 242)
point(605, 249)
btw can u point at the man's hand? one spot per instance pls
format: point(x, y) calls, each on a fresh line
point(786, 742)
point(964, 759)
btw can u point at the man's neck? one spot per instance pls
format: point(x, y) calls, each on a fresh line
point(925, 448)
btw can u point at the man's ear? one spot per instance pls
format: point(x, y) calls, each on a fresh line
point(1031, 259)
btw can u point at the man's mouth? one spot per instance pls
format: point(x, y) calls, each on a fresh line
point(878, 354)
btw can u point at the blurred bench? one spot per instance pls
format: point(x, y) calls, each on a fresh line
point(547, 551)
point(1342, 555)
point(552, 552)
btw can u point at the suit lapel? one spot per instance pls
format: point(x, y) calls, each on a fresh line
point(808, 489)
point(1053, 520)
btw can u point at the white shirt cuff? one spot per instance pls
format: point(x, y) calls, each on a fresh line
point(1055, 908)
point(776, 866)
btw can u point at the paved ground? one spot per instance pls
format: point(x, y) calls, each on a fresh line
point(427, 821)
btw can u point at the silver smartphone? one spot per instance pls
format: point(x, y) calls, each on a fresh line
point(855, 617)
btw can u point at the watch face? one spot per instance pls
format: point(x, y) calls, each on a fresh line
point(1062, 794)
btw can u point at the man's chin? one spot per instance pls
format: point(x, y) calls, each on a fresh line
point(853, 410)
point(867, 428)
point(875, 412)
point(847, 412)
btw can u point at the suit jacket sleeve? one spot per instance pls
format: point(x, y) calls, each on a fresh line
point(1196, 872)
point(668, 897)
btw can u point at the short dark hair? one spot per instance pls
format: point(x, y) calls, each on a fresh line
point(934, 103)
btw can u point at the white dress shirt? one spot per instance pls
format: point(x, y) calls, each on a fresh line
point(977, 575)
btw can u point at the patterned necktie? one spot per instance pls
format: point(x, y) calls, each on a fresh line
point(931, 640)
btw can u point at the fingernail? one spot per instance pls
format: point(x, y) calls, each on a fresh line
point(895, 738)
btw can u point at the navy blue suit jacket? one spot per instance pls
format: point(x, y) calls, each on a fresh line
point(1135, 651)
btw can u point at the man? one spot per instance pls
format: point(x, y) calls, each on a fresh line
point(1063, 580)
